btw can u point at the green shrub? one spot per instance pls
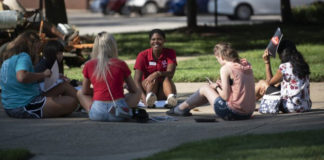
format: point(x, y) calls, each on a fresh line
point(309, 14)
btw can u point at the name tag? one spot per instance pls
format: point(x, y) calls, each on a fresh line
point(152, 63)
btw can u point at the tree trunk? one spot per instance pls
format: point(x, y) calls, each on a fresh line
point(56, 11)
point(191, 14)
point(286, 13)
point(216, 14)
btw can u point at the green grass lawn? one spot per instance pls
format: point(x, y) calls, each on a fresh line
point(299, 145)
point(201, 42)
point(197, 69)
point(249, 40)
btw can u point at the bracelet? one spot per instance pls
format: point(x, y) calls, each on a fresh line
point(266, 62)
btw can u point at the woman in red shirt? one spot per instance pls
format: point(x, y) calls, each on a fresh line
point(154, 70)
point(103, 70)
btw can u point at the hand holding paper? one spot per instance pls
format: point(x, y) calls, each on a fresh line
point(265, 56)
point(52, 79)
point(47, 73)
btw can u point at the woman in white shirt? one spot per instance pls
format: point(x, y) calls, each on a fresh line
point(293, 76)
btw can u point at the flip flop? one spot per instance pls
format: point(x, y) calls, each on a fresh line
point(186, 113)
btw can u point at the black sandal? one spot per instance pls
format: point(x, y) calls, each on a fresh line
point(186, 113)
point(151, 106)
point(168, 106)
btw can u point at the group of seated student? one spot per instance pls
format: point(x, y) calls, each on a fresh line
point(21, 96)
point(233, 97)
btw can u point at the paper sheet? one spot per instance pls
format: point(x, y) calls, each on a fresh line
point(274, 42)
point(53, 80)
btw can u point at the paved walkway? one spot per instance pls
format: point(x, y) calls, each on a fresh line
point(77, 138)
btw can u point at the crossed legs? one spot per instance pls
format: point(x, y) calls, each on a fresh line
point(86, 99)
point(60, 101)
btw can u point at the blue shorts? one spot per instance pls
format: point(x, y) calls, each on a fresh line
point(32, 110)
point(100, 111)
point(222, 110)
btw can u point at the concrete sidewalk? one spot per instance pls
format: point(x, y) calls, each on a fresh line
point(76, 137)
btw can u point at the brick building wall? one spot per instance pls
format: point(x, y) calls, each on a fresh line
point(69, 4)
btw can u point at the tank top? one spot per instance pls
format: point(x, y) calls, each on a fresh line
point(242, 94)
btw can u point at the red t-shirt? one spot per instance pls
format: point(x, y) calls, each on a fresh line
point(119, 71)
point(146, 63)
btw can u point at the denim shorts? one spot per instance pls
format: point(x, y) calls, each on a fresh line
point(222, 110)
point(32, 110)
point(100, 111)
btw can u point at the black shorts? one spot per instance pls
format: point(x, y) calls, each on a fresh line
point(32, 110)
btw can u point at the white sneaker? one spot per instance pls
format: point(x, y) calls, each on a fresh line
point(150, 99)
point(172, 100)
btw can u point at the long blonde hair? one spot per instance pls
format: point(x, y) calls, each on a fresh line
point(104, 48)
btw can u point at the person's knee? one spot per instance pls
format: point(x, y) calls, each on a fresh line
point(69, 103)
point(138, 95)
point(260, 88)
point(79, 93)
point(167, 80)
point(67, 85)
point(150, 85)
point(74, 102)
point(204, 88)
point(263, 83)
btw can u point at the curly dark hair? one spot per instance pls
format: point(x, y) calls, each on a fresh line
point(158, 31)
point(50, 50)
point(288, 53)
